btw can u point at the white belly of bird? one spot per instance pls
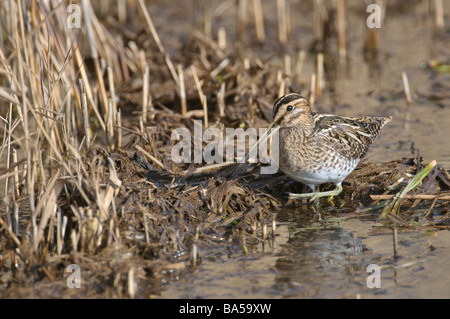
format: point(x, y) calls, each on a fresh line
point(324, 174)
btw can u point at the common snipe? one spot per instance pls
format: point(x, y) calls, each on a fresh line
point(320, 148)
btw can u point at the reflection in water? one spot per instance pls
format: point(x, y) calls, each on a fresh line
point(312, 263)
point(321, 263)
point(326, 262)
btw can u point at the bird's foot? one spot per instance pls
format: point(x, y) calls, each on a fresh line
point(316, 195)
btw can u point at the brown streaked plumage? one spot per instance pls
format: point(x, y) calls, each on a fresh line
point(320, 148)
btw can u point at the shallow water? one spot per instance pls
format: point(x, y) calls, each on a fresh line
point(327, 262)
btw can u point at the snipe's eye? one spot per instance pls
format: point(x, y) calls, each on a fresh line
point(289, 108)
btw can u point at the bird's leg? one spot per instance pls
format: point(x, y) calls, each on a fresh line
point(316, 195)
point(330, 200)
point(318, 216)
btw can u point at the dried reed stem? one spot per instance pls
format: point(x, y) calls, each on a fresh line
point(221, 99)
point(16, 174)
point(320, 76)
point(150, 157)
point(318, 13)
point(197, 82)
point(282, 83)
point(122, 11)
point(439, 15)
point(30, 177)
point(112, 90)
point(47, 207)
point(194, 254)
point(413, 196)
point(161, 48)
point(406, 88)
point(241, 18)
point(131, 283)
point(8, 156)
point(119, 130)
point(219, 68)
point(16, 218)
point(312, 90)
point(282, 21)
point(85, 113)
point(145, 92)
point(274, 226)
point(10, 232)
point(341, 31)
point(395, 241)
point(259, 20)
point(90, 96)
point(94, 54)
point(182, 90)
point(299, 65)
point(207, 17)
point(110, 126)
point(287, 65)
point(205, 110)
point(264, 231)
point(222, 38)
point(147, 237)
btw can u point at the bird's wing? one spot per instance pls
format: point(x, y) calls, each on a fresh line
point(350, 137)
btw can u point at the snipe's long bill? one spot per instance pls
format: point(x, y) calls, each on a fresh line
point(317, 148)
point(272, 129)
